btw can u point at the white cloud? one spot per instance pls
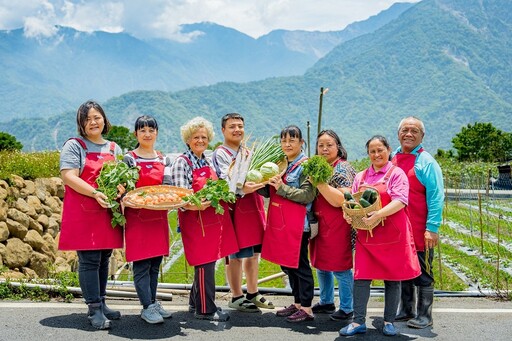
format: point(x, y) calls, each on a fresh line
point(162, 18)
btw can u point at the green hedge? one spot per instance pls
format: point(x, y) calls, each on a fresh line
point(29, 166)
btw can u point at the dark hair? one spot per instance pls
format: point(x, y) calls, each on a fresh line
point(380, 138)
point(230, 116)
point(83, 113)
point(291, 130)
point(145, 121)
point(342, 152)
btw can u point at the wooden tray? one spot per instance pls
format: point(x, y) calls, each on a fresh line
point(161, 197)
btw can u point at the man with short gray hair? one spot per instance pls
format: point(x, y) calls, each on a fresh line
point(425, 210)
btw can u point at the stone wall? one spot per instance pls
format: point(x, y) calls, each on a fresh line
point(30, 217)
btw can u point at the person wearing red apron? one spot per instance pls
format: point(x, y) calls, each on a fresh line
point(146, 232)
point(389, 253)
point(247, 215)
point(86, 226)
point(207, 236)
point(331, 250)
point(287, 233)
point(425, 210)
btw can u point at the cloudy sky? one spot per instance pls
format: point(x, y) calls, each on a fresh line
point(161, 18)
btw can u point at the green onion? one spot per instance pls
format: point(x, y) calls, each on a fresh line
point(267, 151)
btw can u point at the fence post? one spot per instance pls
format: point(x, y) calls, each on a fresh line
point(481, 223)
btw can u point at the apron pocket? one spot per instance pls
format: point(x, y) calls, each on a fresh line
point(275, 216)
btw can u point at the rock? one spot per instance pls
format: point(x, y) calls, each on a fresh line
point(4, 231)
point(53, 227)
point(17, 253)
point(40, 263)
point(13, 276)
point(61, 264)
point(35, 225)
point(22, 206)
point(16, 229)
point(3, 249)
point(43, 220)
point(47, 210)
point(18, 216)
point(34, 239)
point(3, 193)
point(29, 273)
point(50, 246)
point(4, 184)
point(54, 203)
point(17, 181)
point(59, 183)
point(3, 210)
point(13, 193)
point(29, 189)
point(34, 202)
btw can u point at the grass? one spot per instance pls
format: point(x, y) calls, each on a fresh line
point(29, 166)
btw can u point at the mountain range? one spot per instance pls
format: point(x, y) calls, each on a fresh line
point(448, 62)
point(46, 76)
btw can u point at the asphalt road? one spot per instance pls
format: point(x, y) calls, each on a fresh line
point(454, 319)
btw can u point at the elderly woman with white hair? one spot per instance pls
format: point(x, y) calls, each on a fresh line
point(207, 236)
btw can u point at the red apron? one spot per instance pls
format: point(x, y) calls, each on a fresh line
point(146, 233)
point(331, 249)
point(417, 209)
point(248, 217)
point(390, 254)
point(206, 236)
point(85, 224)
point(285, 226)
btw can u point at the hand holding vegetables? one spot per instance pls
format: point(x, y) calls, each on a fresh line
point(214, 191)
point(318, 169)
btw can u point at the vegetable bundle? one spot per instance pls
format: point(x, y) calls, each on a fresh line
point(264, 160)
point(318, 169)
point(111, 175)
point(214, 191)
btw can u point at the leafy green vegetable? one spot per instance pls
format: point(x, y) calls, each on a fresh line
point(112, 174)
point(214, 191)
point(318, 169)
point(268, 170)
point(266, 151)
point(254, 176)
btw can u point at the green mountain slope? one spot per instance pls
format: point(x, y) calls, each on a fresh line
point(445, 61)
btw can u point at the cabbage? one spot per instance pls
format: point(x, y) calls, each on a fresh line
point(254, 175)
point(268, 170)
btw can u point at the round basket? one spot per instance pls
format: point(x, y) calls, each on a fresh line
point(160, 197)
point(357, 215)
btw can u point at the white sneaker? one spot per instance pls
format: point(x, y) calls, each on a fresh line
point(164, 313)
point(151, 314)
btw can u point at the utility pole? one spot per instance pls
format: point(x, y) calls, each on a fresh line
point(322, 93)
point(309, 139)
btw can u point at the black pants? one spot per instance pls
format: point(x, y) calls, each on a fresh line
point(301, 279)
point(202, 295)
point(362, 295)
point(145, 278)
point(93, 274)
point(427, 277)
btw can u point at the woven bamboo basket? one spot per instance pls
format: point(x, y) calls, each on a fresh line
point(135, 198)
point(357, 215)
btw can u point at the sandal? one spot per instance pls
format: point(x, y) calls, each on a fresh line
point(261, 302)
point(242, 304)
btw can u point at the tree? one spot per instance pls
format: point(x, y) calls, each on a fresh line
point(9, 142)
point(122, 136)
point(482, 142)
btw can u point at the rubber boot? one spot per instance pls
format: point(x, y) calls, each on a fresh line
point(109, 313)
point(96, 316)
point(407, 302)
point(425, 300)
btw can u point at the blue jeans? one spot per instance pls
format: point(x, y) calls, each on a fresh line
point(145, 278)
point(345, 288)
point(93, 274)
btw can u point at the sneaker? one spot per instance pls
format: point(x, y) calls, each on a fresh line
point(290, 310)
point(340, 315)
point(327, 308)
point(243, 304)
point(300, 316)
point(389, 329)
point(350, 330)
point(164, 313)
point(151, 315)
point(218, 316)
